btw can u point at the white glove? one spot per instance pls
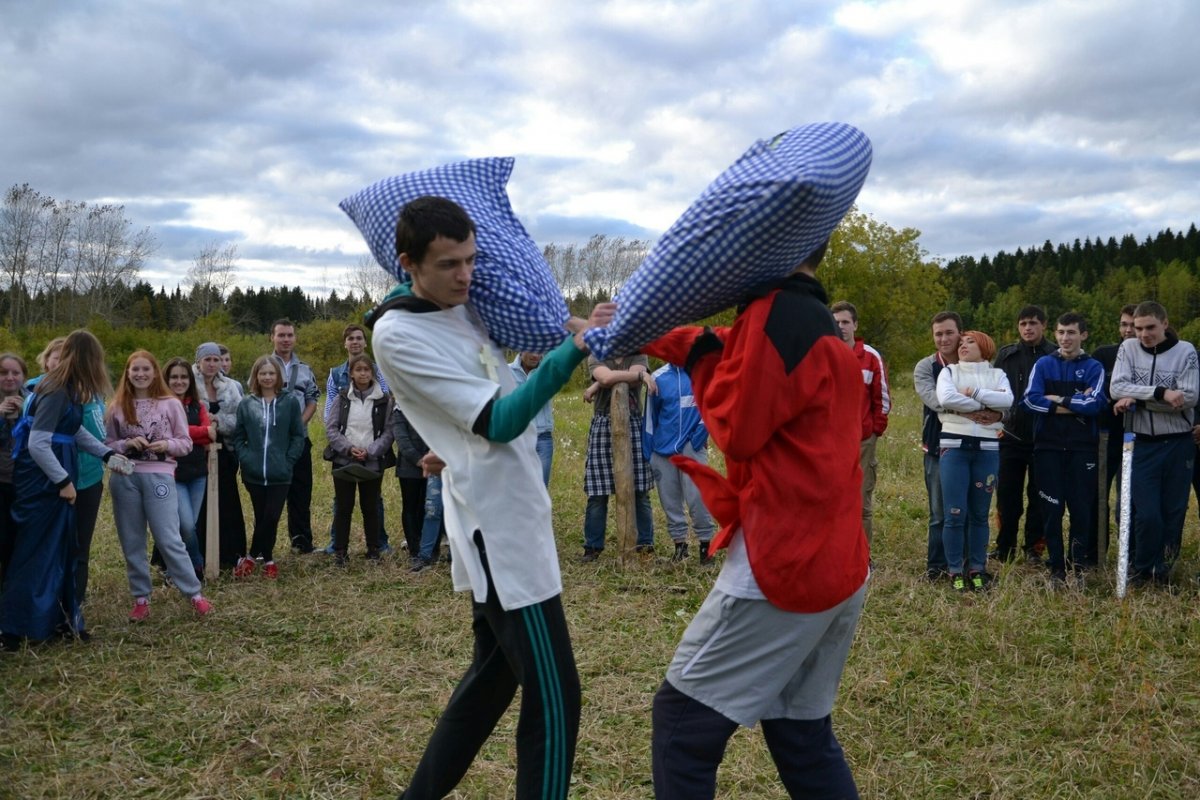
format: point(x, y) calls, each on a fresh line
point(120, 464)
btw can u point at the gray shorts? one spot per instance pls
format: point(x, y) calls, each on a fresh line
point(749, 660)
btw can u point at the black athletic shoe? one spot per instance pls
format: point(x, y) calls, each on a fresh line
point(706, 556)
point(681, 552)
point(590, 554)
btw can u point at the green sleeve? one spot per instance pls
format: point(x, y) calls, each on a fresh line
point(511, 414)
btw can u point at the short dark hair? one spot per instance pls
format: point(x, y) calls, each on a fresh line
point(426, 218)
point(1149, 308)
point(1073, 318)
point(361, 358)
point(943, 316)
point(351, 328)
point(1032, 312)
point(844, 305)
point(284, 321)
point(1128, 309)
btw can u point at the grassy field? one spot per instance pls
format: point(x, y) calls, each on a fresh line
point(326, 684)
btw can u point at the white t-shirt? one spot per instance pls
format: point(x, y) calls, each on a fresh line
point(443, 369)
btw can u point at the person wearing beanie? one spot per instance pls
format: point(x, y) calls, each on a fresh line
point(221, 394)
point(970, 456)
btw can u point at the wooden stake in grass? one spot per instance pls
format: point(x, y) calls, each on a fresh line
point(622, 465)
point(1102, 501)
point(212, 544)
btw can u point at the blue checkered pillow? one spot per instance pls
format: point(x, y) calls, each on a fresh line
point(754, 224)
point(513, 289)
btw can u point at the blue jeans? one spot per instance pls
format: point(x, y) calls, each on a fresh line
point(935, 557)
point(431, 528)
point(191, 495)
point(545, 451)
point(968, 482)
point(595, 520)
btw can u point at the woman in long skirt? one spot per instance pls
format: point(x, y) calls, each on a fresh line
point(39, 599)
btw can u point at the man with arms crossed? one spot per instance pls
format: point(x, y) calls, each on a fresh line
point(780, 394)
point(453, 385)
point(1066, 393)
point(1156, 379)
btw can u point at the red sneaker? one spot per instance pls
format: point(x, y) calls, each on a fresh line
point(270, 571)
point(245, 567)
point(201, 604)
point(141, 610)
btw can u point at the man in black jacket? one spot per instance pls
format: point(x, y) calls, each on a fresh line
point(1016, 445)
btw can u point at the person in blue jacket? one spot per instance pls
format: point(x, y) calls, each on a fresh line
point(1066, 394)
point(673, 428)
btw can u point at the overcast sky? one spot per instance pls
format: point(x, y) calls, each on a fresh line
point(996, 125)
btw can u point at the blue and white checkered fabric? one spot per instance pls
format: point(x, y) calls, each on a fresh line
point(512, 289)
point(754, 224)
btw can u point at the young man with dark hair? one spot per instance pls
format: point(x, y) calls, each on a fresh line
point(300, 382)
point(947, 331)
point(1013, 493)
point(1157, 379)
point(1066, 393)
point(877, 404)
point(354, 339)
point(780, 395)
point(450, 381)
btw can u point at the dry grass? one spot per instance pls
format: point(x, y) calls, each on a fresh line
point(327, 683)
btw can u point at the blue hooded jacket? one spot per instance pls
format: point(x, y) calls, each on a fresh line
point(672, 419)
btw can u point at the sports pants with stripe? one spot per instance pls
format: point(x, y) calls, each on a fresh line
point(527, 647)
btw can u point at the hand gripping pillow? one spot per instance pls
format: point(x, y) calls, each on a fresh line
point(512, 289)
point(753, 225)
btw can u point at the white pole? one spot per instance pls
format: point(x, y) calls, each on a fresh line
point(1126, 511)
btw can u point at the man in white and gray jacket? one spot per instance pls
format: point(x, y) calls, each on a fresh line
point(1157, 379)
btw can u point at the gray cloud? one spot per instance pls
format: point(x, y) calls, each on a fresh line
point(247, 123)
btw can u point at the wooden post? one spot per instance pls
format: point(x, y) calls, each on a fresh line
point(622, 465)
point(212, 543)
point(1102, 502)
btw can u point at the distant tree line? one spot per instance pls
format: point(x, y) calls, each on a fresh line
point(65, 264)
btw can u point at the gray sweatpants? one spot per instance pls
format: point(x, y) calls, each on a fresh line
point(148, 499)
point(675, 489)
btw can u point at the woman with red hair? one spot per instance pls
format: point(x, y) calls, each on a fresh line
point(147, 424)
point(970, 455)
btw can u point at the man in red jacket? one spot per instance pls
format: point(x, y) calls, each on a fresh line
point(780, 395)
point(877, 403)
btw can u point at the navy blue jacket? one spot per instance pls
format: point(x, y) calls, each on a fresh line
point(1080, 382)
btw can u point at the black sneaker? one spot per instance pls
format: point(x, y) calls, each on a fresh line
point(981, 581)
point(706, 557)
point(419, 565)
point(958, 582)
point(681, 552)
point(590, 554)
point(644, 549)
point(935, 574)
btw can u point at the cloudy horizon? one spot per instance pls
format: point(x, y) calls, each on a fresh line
point(995, 125)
